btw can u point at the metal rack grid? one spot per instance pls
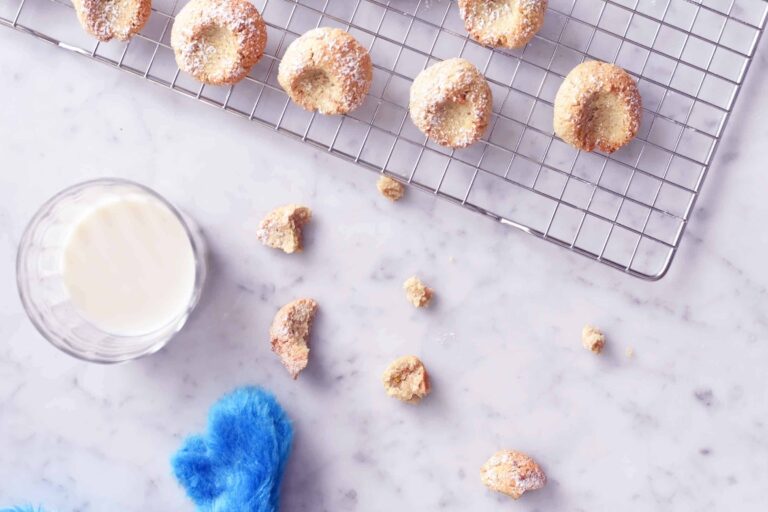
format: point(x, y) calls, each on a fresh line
point(627, 210)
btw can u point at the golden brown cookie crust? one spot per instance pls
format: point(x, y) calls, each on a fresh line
point(282, 228)
point(598, 106)
point(389, 188)
point(592, 339)
point(407, 379)
point(218, 41)
point(417, 293)
point(326, 70)
point(108, 19)
point(289, 334)
point(451, 103)
point(503, 23)
point(512, 473)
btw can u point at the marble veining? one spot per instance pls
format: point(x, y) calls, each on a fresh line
point(680, 425)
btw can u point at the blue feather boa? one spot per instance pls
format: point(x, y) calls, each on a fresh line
point(238, 463)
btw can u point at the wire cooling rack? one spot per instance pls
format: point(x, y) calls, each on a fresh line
point(627, 210)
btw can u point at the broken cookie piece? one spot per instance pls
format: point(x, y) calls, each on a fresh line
point(406, 379)
point(389, 188)
point(417, 292)
point(289, 334)
point(592, 339)
point(281, 228)
point(512, 473)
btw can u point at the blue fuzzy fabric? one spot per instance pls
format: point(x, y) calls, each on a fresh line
point(25, 508)
point(238, 463)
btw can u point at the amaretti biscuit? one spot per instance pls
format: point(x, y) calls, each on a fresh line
point(503, 23)
point(112, 19)
point(218, 41)
point(451, 103)
point(326, 70)
point(598, 106)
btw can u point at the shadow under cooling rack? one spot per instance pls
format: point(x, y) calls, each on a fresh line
point(627, 210)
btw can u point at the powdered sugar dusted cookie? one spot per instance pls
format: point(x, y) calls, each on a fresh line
point(218, 41)
point(597, 106)
point(326, 70)
point(504, 23)
point(451, 103)
point(108, 19)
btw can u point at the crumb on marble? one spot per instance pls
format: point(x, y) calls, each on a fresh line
point(406, 379)
point(289, 334)
point(445, 338)
point(389, 188)
point(282, 227)
point(592, 339)
point(417, 292)
point(512, 473)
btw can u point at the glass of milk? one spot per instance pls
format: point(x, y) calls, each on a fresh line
point(109, 271)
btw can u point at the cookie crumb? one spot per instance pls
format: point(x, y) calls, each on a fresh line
point(592, 339)
point(629, 352)
point(512, 473)
point(406, 379)
point(446, 338)
point(417, 292)
point(289, 334)
point(389, 188)
point(282, 228)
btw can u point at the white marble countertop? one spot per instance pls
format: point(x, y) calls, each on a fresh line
point(682, 425)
